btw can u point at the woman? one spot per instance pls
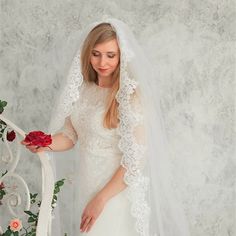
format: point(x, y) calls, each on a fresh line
point(110, 105)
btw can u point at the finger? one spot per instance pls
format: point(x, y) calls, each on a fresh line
point(23, 142)
point(91, 223)
point(82, 221)
point(87, 220)
point(29, 148)
point(83, 217)
point(32, 148)
point(37, 149)
point(40, 149)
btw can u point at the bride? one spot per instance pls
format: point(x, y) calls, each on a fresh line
point(110, 106)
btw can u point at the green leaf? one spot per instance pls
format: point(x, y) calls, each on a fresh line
point(4, 103)
point(16, 233)
point(31, 214)
point(56, 190)
point(28, 213)
point(33, 195)
point(8, 232)
point(2, 193)
point(2, 122)
point(2, 130)
point(31, 219)
point(60, 182)
point(4, 173)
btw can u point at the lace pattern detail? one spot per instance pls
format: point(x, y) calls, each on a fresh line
point(69, 95)
point(133, 153)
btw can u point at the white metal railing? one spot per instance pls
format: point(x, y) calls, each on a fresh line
point(45, 213)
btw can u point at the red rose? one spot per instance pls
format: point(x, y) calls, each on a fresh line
point(38, 138)
point(11, 136)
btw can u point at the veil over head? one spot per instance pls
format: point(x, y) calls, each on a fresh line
point(143, 143)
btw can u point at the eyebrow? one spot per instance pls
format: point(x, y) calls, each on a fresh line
point(94, 50)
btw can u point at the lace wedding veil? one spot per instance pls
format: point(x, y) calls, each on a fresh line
point(153, 204)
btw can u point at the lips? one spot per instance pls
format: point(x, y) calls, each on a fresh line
point(102, 70)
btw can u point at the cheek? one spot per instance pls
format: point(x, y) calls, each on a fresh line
point(93, 61)
point(115, 63)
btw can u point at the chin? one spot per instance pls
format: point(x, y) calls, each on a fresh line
point(107, 74)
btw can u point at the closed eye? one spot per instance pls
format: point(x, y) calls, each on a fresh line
point(111, 55)
point(95, 54)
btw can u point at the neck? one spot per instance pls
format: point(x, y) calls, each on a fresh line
point(105, 81)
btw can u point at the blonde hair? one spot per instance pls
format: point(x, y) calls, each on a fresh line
point(102, 33)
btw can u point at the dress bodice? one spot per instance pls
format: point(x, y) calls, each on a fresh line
point(87, 119)
point(98, 154)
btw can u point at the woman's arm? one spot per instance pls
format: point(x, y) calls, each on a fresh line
point(64, 140)
point(96, 205)
point(60, 143)
point(114, 186)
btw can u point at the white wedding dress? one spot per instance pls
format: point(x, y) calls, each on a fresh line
point(99, 158)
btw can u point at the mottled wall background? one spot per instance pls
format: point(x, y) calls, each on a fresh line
point(192, 44)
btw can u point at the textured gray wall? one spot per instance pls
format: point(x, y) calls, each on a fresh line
point(192, 44)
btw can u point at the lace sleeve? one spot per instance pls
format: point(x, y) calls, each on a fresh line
point(69, 131)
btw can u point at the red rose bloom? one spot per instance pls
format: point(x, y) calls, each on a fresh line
point(38, 138)
point(11, 136)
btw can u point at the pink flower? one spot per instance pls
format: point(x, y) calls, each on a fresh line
point(15, 225)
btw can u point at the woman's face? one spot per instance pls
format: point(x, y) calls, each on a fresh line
point(105, 58)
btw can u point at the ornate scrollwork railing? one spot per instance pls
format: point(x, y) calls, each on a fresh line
point(14, 199)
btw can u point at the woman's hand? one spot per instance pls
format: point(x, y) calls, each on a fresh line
point(91, 213)
point(33, 148)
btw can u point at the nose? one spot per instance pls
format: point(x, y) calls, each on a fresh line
point(102, 61)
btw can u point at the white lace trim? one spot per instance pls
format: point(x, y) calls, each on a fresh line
point(133, 153)
point(69, 95)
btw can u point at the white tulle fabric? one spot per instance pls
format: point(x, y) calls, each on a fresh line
point(139, 139)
